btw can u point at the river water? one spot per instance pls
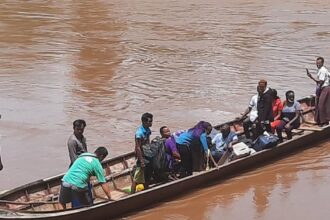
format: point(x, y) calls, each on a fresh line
point(184, 61)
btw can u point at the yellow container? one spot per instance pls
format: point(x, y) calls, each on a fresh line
point(139, 187)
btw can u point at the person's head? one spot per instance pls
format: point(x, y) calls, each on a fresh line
point(319, 62)
point(101, 153)
point(262, 85)
point(208, 128)
point(147, 120)
point(79, 127)
point(289, 95)
point(165, 132)
point(274, 94)
point(200, 128)
point(225, 130)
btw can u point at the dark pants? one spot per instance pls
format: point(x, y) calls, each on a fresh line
point(247, 124)
point(288, 132)
point(216, 154)
point(78, 197)
point(186, 160)
point(322, 108)
point(76, 200)
point(261, 128)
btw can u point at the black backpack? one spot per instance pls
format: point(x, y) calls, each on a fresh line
point(265, 142)
point(155, 153)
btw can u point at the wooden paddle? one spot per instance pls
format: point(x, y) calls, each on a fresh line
point(224, 157)
point(307, 128)
point(27, 203)
point(209, 156)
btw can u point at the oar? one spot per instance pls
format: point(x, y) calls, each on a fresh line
point(209, 156)
point(27, 203)
point(305, 128)
point(224, 157)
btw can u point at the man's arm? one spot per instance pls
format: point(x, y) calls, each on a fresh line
point(319, 82)
point(203, 140)
point(138, 150)
point(72, 147)
point(106, 190)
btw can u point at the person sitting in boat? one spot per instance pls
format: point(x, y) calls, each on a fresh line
point(184, 141)
point(77, 142)
point(172, 151)
point(277, 110)
point(265, 108)
point(322, 108)
point(290, 117)
point(222, 142)
point(143, 171)
point(75, 181)
point(253, 115)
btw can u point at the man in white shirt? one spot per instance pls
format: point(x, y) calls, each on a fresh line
point(322, 108)
point(253, 115)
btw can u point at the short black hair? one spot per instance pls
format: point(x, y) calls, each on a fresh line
point(146, 116)
point(225, 127)
point(288, 92)
point(79, 123)
point(161, 129)
point(101, 151)
point(274, 93)
point(320, 58)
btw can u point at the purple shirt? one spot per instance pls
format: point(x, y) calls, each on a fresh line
point(170, 145)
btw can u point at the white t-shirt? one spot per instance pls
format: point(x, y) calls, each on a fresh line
point(324, 75)
point(253, 106)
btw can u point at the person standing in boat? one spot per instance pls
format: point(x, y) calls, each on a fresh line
point(75, 182)
point(265, 108)
point(322, 108)
point(190, 142)
point(290, 117)
point(77, 142)
point(143, 170)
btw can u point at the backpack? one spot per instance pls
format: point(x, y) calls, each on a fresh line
point(265, 141)
point(155, 153)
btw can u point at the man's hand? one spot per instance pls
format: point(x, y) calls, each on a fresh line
point(308, 73)
point(262, 125)
point(287, 126)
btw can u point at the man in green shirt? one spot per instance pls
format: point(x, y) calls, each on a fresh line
point(75, 181)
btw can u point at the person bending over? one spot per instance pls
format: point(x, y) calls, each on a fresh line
point(75, 182)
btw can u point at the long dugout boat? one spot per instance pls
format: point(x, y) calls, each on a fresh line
point(39, 200)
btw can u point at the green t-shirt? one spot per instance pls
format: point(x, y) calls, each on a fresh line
point(82, 169)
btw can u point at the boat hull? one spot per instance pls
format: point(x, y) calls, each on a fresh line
point(144, 199)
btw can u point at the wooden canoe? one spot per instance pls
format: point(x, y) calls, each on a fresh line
point(39, 199)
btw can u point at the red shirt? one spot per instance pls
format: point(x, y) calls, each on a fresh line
point(277, 106)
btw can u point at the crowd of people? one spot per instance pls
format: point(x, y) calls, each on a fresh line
point(188, 150)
